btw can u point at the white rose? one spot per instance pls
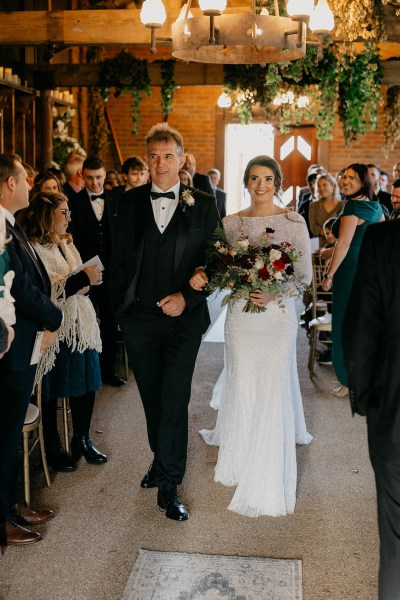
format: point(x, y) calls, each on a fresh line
point(278, 275)
point(232, 252)
point(259, 263)
point(275, 255)
point(243, 244)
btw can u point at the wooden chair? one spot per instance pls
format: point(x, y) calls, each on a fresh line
point(66, 411)
point(33, 422)
point(321, 303)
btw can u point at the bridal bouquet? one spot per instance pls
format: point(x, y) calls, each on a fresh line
point(243, 268)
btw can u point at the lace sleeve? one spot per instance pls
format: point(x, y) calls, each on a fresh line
point(301, 240)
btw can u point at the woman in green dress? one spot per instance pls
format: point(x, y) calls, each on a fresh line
point(359, 212)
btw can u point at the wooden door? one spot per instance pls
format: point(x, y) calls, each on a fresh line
point(295, 151)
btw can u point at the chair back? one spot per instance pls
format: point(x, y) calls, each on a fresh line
point(321, 300)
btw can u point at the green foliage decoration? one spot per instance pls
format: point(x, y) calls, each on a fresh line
point(99, 130)
point(392, 119)
point(349, 86)
point(126, 73)
point(168, 86)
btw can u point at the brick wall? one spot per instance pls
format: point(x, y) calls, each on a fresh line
point(195, 116)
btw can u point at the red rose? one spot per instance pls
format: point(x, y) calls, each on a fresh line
point(279, 265)
point(263, 273)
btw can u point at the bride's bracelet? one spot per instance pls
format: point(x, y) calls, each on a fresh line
point(327, 276)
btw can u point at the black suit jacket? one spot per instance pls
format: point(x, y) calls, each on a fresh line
point(221, 200)
point(69, 190)
point(195, 229)
point(202, 182)
point(91, 237)
point(34, 310)
point(371, 331)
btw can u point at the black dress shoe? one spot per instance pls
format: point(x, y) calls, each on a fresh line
point(82, 445)
point(149, 480)
point(58, 460)
point(113, 380)
point(169, 501)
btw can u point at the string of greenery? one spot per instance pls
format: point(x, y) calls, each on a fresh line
point(168, 86)
point(349, 86)
point(392, 119)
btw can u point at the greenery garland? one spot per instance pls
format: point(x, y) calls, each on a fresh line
point(351, 84)
point(168, 86)
point(99, 131)
point(392, 119)
point(126, 73)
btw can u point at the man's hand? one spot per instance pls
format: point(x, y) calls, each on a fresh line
point(199, 279)
point(172, 305)
point(48, 338)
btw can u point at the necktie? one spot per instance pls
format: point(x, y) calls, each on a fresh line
point(95, 197)
point(155, 195)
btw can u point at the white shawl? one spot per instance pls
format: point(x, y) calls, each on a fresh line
point(80, 330)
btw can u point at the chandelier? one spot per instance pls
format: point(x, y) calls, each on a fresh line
point(215, 37)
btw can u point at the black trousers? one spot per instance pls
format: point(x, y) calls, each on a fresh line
point(162, 355)
point(385, 459)
point(15, 394)
point(108, 328)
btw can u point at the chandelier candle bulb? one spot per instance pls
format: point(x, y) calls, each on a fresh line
point(321, 20)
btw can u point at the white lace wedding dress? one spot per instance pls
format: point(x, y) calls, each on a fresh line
point(260, 417)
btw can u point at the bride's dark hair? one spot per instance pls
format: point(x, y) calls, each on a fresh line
point(265, 161)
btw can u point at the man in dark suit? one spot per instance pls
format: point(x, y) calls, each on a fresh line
point(395, 200)
point(200, 182)
point(34, 312)
point(371, 334)
point(215, 176)
point(164, 231)
point(90, 230)
point(383, 197)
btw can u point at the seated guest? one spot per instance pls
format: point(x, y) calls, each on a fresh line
point(328, 205)
point(215, 178)
point(305, 201)
point(72, 362)
point(185, 177)
point(384, 181)
point(34, 312)
point(59, 174)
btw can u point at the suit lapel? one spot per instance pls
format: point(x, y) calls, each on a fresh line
point(18, 233)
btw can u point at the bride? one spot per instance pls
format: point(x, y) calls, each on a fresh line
point(260, 418)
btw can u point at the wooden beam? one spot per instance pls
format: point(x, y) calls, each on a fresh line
point(110, 27)
point(87, 75)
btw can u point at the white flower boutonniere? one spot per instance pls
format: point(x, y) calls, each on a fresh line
point(186, 200)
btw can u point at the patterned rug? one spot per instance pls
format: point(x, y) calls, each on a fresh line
point(180, 576)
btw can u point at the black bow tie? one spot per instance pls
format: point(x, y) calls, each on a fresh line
point(155, 195)
point(95, 197)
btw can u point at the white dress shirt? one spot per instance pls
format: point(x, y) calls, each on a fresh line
point(97, 205)
point(164, 208)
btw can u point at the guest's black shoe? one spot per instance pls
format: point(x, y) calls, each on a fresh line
point(58, 460)
point(149, 480)
point(113, 380)
point(82, 445)
point(169, 501)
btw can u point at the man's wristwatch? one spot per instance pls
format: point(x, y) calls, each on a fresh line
point(327, 276)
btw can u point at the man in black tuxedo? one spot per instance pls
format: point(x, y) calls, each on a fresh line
point(34, 312)
point(371, 334)
point(91, 232)
point(200, 182)
point(164, 231)
point(383, 197)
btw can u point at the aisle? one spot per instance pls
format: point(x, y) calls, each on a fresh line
point(104, 518)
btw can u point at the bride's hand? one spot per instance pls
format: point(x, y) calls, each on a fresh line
point(261, 299)
point(199, 279)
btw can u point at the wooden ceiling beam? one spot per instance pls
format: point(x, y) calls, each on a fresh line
point(111, 27)
point(87, 75)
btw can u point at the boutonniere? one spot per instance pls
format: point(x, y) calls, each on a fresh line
point(186, 199)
